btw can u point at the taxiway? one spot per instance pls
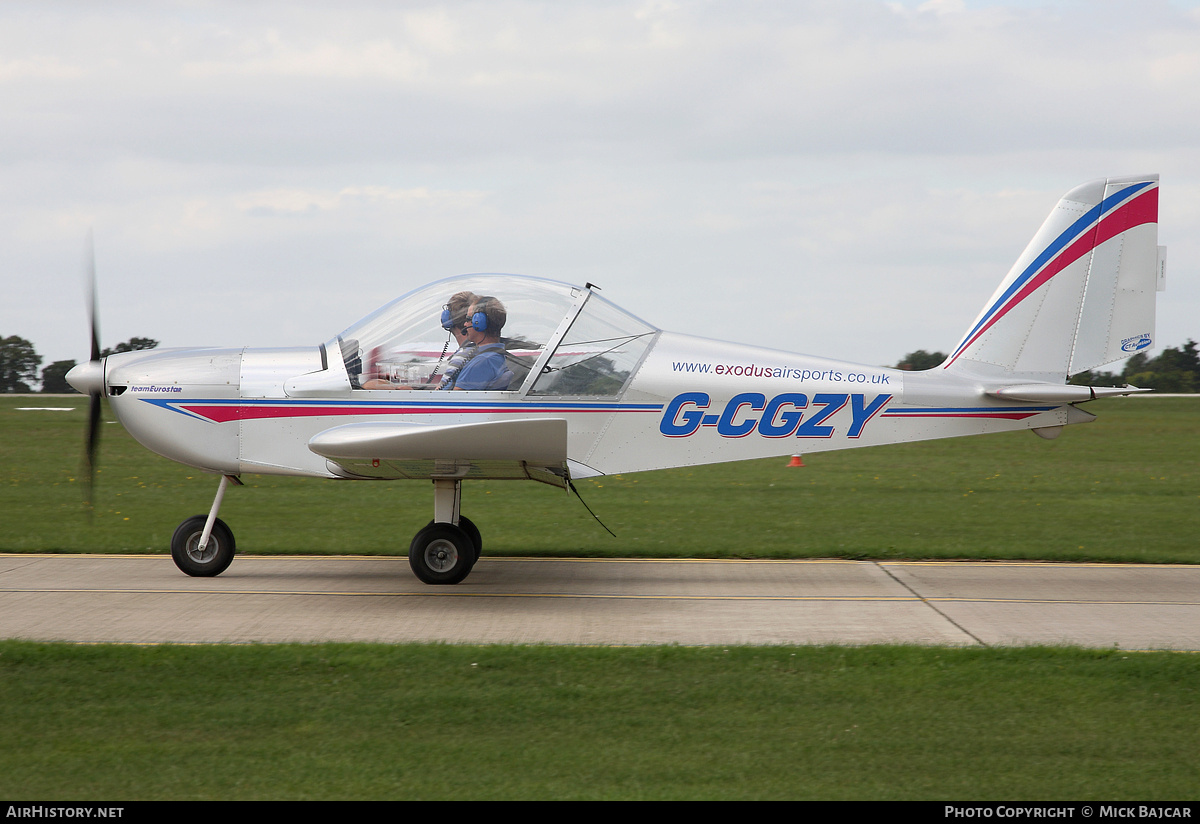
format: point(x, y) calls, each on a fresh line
point(261, 599)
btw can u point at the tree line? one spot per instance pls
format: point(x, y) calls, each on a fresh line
point(1172, 370)
point(19, 362)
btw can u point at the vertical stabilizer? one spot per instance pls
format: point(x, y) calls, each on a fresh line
point(1081, 295)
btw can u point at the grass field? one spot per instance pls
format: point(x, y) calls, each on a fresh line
point(1124, 488)
point(449, 722)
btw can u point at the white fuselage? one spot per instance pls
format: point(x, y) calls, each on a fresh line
point(691, 401)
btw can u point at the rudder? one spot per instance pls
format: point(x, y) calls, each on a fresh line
point(1081, 295)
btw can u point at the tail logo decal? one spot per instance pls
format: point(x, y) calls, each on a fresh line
point(1136, 344)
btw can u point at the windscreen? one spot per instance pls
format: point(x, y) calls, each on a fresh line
point(598, 354)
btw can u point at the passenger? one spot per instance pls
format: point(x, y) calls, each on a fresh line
point(454, 316)
point(488, 368)
point(454, 320)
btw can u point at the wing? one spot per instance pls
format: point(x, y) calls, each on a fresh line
point(532, 448)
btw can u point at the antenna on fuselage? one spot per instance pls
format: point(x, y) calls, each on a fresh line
point(588, 508)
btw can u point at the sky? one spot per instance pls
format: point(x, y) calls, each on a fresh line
point(849, 179)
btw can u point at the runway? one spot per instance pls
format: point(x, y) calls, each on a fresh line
point(144, 599)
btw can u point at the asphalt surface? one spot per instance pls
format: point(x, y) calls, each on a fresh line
point(145, 599)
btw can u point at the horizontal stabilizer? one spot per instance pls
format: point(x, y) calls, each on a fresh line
point(1053, 393)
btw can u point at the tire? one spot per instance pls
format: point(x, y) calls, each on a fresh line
point(468, 526)
point(441, 554)
point(217, 556)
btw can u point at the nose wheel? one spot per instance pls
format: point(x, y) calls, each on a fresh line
point(213, 558)
point(203, 545)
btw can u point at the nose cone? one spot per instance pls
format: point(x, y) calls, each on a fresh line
point(88, 377)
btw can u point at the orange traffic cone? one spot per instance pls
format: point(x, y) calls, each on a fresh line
point(796, 461)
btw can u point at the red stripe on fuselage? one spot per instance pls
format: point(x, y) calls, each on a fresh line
point(223, 413)
point(1008, 416)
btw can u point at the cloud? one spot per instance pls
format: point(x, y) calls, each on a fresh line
point(293, 201)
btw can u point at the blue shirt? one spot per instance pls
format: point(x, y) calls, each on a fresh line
point(486, 370)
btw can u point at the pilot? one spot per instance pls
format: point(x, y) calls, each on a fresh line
point(487, 368)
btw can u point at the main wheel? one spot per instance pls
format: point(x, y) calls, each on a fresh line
point(217, 554)
point(441, 554)
point(468, 526)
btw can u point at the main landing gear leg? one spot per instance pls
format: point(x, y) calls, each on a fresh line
point(446, 549)
point(204, 546)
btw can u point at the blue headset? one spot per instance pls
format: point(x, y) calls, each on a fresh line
point(447, 323)
point(479, 320)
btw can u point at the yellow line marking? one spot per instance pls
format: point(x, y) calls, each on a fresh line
point(556, 559)
point(461, 593)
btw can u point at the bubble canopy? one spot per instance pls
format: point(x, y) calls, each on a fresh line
point(523, 334)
